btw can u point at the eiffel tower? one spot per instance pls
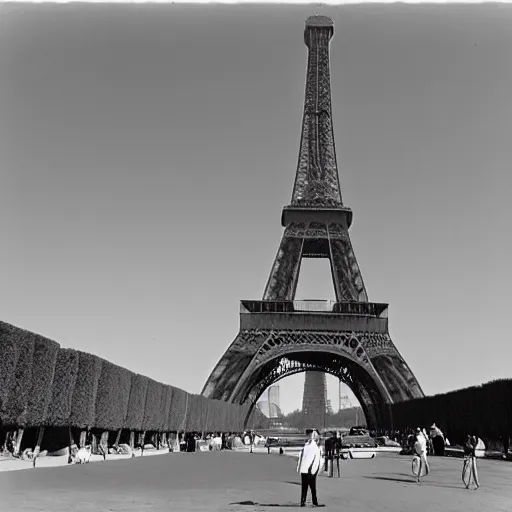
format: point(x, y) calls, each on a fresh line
point(347, 338)
point(314, 400)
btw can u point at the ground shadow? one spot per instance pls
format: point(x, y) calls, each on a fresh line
point(292, 483)
point(391, 479)
point(412, 480)
point(253, 503)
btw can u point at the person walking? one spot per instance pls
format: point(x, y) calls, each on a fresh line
point(469, 471)
point(337, 451)
point(328, 455)
point(437, 440)
point(420, 449)
point(332, 453)
point(308, 466)
point(251, 440)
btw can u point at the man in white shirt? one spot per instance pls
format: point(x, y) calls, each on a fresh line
point(308, 466)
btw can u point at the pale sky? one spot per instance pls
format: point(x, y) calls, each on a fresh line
point(147, 152)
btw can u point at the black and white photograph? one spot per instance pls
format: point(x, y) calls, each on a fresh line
point(255, 256)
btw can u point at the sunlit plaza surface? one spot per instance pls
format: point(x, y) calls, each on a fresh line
point(239, 481)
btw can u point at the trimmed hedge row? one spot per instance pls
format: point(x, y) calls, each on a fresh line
point(153, 405)
point(10, 353)
point(178, 413)
point(21, 383)
point(113, 395)
point(83, 405)
point(43, 370)
point(163, 423)
point(193, 418)
point(64, 379)
point(485, 409)
point(137, 402)
point(42, 384)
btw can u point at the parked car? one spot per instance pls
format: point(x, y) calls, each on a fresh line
point(385, 441)
point(359, 431)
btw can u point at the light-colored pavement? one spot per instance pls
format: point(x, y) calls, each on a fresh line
point(62, 460)
point(243, 482)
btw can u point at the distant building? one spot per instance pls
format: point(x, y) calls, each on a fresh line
point(345, 402)
point(270, 410)
point(273, 395)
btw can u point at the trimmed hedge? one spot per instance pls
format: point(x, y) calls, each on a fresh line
point(43, 370)
point(19, 382)
point(113, 396)
point(178, 412)
point(152, 408)
point(230, 418)
point(485, 409)
point(43, 384)
point(496, 405)
point(216, 415)
point(229, 415)
point(137, 402)
point(243, 415)
point(228, 424)
point(165, 409)
point(63, 386)
point(203, 413)
point(83, 404)
point(193, 418)
point(9, 349)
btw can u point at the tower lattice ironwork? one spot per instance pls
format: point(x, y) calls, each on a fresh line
point(347, 338)
point(314, 400)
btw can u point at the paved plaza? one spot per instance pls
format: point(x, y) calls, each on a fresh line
point(243, 482)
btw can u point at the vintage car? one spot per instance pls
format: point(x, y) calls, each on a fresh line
point(359, 431)
point(385, 441)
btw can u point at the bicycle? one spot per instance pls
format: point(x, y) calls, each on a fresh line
point(415, 467)
point(469, 470)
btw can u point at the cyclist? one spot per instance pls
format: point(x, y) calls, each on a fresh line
point(420, 449)
point(469, 471)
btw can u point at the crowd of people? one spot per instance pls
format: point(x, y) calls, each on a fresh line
point(421, 443)
point(436, 443)
point(212, 441)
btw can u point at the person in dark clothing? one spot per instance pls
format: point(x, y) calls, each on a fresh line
point(327, 453)
point(191, 443)
point(336, 449)
point(332, 453)
point(438, 445)
point(251, 440)
point(438, 441)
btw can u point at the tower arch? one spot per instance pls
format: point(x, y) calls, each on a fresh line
point(370, 393)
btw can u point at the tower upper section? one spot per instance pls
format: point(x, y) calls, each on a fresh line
point(316, 183)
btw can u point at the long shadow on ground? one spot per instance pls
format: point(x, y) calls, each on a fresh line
point(410, 480)
point(253, 503)
point(391, 479)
